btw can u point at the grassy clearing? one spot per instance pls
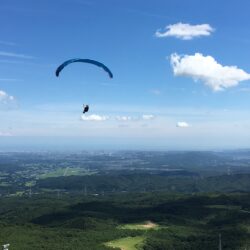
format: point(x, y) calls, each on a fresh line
point(141, 226)
point(128, 243)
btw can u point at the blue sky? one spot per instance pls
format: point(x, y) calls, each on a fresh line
point(149, 96)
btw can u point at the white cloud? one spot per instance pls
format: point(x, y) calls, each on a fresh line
point(208, 70)
point(148, 117)
point(182, 125)
point(185, 31)
point(5, 98)
point(123, 118)
point(11, 54)
point(96, 118)
point(5, 134)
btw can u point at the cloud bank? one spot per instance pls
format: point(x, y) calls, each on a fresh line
point(95, 118)
point(185, 31)
point(147, 117)
point(207, 70)
point(182, 125)
point(123, 118)
point(135, 118)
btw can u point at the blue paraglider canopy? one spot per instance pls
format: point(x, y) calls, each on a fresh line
point(99, 64)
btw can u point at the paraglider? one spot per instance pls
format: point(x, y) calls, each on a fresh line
point(99, 64)
point(85, 108)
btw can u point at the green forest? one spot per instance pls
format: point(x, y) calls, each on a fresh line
point(183, 221)
point(97, 202)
